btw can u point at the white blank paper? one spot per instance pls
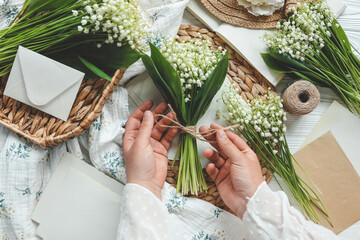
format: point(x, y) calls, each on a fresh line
point(79, 203)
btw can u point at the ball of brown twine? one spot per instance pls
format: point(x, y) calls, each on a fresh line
point(302, 97)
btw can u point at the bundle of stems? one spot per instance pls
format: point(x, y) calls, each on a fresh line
point(188, 74)
point(261, 123)
point(312, 45)
point(190, 178)
point(53, 28)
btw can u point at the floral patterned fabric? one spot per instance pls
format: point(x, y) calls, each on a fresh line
point(8, 11)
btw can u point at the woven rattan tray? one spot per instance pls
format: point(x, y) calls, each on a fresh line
point(45, 130)
point(250, 84)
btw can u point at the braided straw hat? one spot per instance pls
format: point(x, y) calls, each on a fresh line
point(230, 11)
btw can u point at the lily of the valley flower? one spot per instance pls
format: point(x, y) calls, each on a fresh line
point(303, 33)
point(120, 20)
point(193, 60)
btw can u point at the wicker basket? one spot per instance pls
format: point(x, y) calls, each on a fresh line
point(45, 130)
point(250, 84)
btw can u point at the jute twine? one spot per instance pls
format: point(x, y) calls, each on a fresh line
point(191, 130)
point(302, 97)
point(230, 11)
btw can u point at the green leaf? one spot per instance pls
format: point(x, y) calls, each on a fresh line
point(161, 85)
point(46, 5)
point(340, 34)
point(94, 69)
point(287, 60)
point(70, 59)
point(274, 64)
point(168, 74)
point(210, 88)
point(109, 57)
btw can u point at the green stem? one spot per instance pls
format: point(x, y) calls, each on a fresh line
point(190, 178)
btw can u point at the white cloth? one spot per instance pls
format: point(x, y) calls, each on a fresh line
point(26, 168)
point(145, 217)
point(268, 216)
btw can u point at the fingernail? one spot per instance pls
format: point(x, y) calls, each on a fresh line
point(147, 115)
point(222, 134)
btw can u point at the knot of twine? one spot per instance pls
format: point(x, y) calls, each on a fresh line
point(191, 130)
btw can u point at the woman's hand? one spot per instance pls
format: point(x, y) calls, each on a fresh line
point(235, 168)
point(146, 147)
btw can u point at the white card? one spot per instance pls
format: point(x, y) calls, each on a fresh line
point(79, 203)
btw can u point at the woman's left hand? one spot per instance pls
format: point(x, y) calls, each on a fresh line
point(146, 147)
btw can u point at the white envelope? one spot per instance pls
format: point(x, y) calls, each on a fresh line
point(43, 83)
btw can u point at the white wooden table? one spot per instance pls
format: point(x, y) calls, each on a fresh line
point(298, 127)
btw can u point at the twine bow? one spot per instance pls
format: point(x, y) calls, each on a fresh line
point(192, 130)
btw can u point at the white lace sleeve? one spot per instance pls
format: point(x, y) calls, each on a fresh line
point(269, 216)
point(144, 216)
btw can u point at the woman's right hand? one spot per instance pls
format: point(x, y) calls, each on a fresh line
point(234, 167)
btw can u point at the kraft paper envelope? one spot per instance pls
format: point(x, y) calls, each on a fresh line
point(43, 83)
point(79, 203)
point(331, 171)
point(345, 127)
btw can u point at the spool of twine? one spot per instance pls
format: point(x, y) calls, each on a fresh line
point(302, 97)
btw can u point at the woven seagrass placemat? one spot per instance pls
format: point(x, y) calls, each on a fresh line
point(230, 11)
point(45, 130)
point(250, 84)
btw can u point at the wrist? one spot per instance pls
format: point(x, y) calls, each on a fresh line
point(156, 190)
point(241, 207)
point(251, 199)
point(243, 202)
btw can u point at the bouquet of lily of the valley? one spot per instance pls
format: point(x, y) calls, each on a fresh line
point(80, 33)
point(312, 45)
point(188, 74)
point(261, 122)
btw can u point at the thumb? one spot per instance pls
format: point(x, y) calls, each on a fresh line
point(145, 130)
point(227, 146)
